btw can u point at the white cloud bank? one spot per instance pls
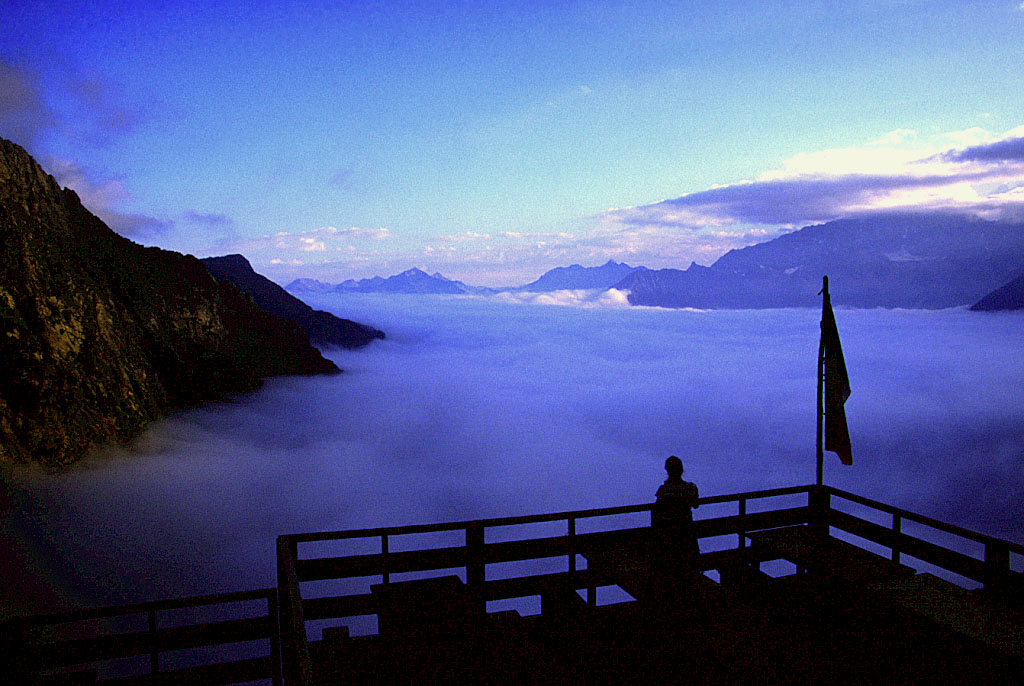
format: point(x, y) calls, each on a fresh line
point(474, 409)
point(611, 298)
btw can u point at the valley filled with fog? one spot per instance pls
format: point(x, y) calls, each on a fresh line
point(478, 407)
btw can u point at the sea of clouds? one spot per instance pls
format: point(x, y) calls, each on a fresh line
point(477, 407)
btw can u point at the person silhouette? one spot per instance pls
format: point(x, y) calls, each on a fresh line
point(672, 514)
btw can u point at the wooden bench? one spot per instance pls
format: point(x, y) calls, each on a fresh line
point(643, 571)
point(825, 558)
point(437, 606)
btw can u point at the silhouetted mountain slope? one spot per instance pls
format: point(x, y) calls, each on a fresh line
point(884, 260)
point(410, 281)
point(101, 335)
point(1007, 297)
point(575, 277)
point(323, 328)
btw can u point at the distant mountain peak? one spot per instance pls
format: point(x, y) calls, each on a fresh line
point(576, 277)
point(308, 286)
point(413, 280)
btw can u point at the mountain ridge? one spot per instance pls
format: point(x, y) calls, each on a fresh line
point(323, 328)
point(410, 281)
point(926, 261)
point(1009, 296)
point(577, 277)
point(416, 280)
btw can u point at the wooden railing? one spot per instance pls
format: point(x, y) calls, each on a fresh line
point(475, 554)
point(991, 570)
point(583, 532)
point(75, 646)
point(38, 645)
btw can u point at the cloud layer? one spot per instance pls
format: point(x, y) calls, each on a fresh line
point(472, 408)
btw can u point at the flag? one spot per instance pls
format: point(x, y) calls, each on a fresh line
point(837, 385)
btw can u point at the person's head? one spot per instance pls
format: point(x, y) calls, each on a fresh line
point(674, 467)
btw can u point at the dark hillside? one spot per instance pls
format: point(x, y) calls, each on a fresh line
point(101, 335)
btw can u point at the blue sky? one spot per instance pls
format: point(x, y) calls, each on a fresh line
point(493, 141)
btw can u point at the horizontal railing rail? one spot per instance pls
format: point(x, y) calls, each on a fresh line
point(50, 644)
point(528, 519)
point(992, 571)
point(936, 524)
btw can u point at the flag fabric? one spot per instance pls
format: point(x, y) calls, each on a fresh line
point(837, 386)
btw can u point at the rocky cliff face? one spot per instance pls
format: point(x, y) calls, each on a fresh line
point(99, 335)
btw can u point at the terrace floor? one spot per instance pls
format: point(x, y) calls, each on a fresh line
point(847, 616)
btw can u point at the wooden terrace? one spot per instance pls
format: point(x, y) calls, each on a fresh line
point(797, 585)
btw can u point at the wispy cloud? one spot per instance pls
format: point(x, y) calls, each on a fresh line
point(1007, 150)
point(342, 179)
point(81, 106)
point(212, 219)
point(500, 259)
point(479, 258)
point(968, 171)
point(103, 196)
point(322, 245)
point(24, 115)
point(104, 111)
point(101, 114)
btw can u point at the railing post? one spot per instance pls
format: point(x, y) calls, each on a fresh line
point(298, 668)
point(384, 559)
point(819, 500)
point(997, 564)
point(275, 637)
point(475, 555)
point(154, 649)
point(897, 525)
point(476, 571)
point(572, 545)
point(743, 524)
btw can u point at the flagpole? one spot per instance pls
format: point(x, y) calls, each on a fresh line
point(821, 385)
